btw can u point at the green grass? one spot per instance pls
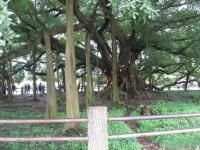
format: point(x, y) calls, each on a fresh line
point(159, 107)
point(55, 130)
point(173, 141)
point(192, 93)
point(120, 128)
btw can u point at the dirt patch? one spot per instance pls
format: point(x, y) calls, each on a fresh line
point(145, 142)
point(148, 145)
point(38, 105)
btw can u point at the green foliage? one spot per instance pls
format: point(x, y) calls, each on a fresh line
point(99, 79)
point(134, 8)
point(19, 77)
point(173, 141)
point(6, 34)
point(87, 6)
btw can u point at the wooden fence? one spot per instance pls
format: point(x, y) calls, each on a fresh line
point(97, 128)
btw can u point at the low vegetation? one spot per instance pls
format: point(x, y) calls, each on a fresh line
point(157, 107)
point(56, 130)
point(173, 107)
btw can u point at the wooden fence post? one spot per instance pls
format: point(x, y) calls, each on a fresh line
point(97, 128)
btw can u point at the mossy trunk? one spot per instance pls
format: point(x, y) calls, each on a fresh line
point(72, 101)
point(83, 84)
point(63, 75)
point(150, 83)
point(115, 92)
point(129, 80)
point(2, 77)
point(9, 82)
point(57, 70)
point(34, 75)
point(186, 82)
point(135, 86)
point(51, 92)
point(9, 89)
point(89, 91)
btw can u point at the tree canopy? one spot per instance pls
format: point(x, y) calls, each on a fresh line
point(155, 38)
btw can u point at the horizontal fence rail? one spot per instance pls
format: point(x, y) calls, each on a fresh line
point(154, 133)
point(97, 128)
point(82, 120)
point(43, 121)
point(43, 139)
point(154, 117)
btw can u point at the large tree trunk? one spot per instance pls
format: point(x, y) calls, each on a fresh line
point(129, 80)
point(127, 45)
point(34, 75)
point(72, 101)
point(115, 92)
point(89, 89)
point(135, 86)
point(51, 92)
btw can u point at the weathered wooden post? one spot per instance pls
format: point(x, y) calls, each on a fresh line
point(97, 128)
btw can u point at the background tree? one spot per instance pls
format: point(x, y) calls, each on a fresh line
point(72, 102)
point(51, 93)
point(146, 30)
point(89, 89)
point(115, 92)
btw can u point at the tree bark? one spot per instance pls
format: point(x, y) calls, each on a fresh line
point(51, 93)
point(63, 75)
point(186, 82)
point(150, 83)
point(57, 64)
point(83, 83)
point(134, 84)
point(72, 101)
point(129, 80)
point(9, 82)
point(89, 91)
point(34, 75)
point(115, 92)
point(2, 77)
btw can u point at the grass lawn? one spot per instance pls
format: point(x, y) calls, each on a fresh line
point(159, 107)
point(173, 107)
point(191, 94)
point(55, 130)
